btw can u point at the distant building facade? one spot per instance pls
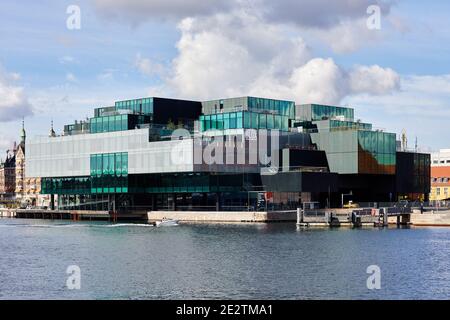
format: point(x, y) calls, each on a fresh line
point(440, 175)
point(8, 176)
point(14, 185)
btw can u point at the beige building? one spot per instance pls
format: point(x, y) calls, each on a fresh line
point(27, 189)
point(15, 187)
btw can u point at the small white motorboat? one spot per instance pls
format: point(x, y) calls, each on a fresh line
point(166, 223)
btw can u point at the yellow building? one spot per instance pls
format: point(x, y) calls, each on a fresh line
point(440, 175)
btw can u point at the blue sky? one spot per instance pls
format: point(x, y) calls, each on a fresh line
point(187, 49)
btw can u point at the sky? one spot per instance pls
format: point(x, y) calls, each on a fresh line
point(396, 76)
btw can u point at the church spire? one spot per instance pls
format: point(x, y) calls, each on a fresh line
point(52, 132)
point(23, 134)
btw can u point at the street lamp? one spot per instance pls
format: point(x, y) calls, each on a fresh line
point(342, 197)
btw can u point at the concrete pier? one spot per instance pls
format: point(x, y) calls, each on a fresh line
point(224, 216)
point(441, 219)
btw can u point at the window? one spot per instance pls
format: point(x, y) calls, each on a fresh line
point(226, 121)
point(239, 120)
point(254, 120)
point(118, 164)
point(270, 124)
point(124, 163)
point(233, 120)
point(247, 120)
point(93, 164)
point(220, 121)
point(262, 121)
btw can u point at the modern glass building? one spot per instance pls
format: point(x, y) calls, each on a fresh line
point(242, 153)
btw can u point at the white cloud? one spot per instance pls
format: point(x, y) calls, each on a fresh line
point(421, 107)
point(71, 77)
point(265, 60)
point(14, 103)
point(319, 81)
point(373, 79)
point(347, 36)
point(148, 67)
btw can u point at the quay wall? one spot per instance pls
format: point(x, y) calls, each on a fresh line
point(441, 219)
point(224, 216)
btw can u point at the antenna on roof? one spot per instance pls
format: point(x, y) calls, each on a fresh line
point(404, 140)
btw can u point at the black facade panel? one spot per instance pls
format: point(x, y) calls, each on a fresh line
point(177, 111)
point(368, 187)
point(300, 182)
point(413, 173)
point(307, 158)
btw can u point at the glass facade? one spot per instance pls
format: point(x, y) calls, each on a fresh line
point(243, 120)
point(317, 112)
point(344, 125)
point(260, 105)
point(143, 106)
point(376, 152)
point(74, 185)
point(109, 173)
point(117, 122)
point(109, 123)
point(186, 183)
point(320, 112)
point(225, 105)
point(279, 107)
point(104, 111)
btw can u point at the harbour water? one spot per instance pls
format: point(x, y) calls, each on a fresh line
point(223, 261)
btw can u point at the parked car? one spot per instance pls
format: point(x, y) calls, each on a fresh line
point(350, 204)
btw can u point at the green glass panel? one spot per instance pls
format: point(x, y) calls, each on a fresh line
point(246, 120)
point(233, 120)
point(105, 158)
point(262, 121)
point(270, 121)
point(124, 122)
point(239, 120)
point(124, 163)
point(118, 164)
